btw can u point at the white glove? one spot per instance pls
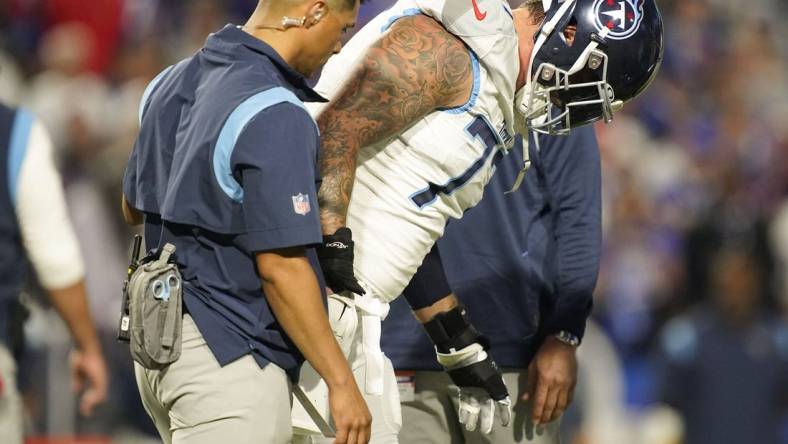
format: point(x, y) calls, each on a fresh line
point(476, 407)
point(477, 377)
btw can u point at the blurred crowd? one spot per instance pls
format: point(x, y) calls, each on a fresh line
point(693, 286)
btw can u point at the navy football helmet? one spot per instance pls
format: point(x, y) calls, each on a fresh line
point(615, 54)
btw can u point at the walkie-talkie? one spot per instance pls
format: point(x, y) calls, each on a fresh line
point(125, 324)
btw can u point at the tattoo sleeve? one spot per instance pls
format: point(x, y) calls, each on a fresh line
point(416, 67)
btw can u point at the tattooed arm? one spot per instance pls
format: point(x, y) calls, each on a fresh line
point(416, 67)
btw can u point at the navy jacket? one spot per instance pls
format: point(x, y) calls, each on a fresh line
point(14, 132)
point(525, 264)
point(225, 166)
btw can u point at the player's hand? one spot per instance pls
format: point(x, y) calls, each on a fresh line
point(552, 376)
point(477, 408)
point(351, 415)
point(482, 389)
point(89, 373)
point(336, 261)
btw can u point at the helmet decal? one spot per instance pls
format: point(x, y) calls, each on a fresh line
point(621, 18)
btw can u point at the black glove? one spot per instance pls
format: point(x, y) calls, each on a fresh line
point(456, 340)
point(336, 261)
point(462, 351)
point(484, 375)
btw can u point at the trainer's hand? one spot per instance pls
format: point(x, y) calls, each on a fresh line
point(336, 261)
point(552, 376)
point(351, 415)
point(89, 373)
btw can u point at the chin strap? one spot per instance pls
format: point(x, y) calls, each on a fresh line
point(544, 33)
point(526, 163)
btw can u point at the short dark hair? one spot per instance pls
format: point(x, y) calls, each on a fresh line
point(535, 10)
point(347, 4)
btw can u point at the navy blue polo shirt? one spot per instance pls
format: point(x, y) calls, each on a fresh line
point(522, 263)
point(225, 166)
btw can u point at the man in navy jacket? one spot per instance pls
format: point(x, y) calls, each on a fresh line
point(525, 265)
point(225, 169)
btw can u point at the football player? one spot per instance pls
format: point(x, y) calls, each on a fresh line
point(527, 285)
point(425, 100)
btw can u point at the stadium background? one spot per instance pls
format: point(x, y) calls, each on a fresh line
point(695, 183)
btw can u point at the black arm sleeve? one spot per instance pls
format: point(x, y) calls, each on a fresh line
point(429, 284)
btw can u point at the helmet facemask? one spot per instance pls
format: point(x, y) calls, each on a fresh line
point(560, 100)
point(530, 107)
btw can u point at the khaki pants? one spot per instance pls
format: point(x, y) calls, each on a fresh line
point(195, 401)
point(432, 416)
point(10, 401)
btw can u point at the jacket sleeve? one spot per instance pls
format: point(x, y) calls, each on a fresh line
point(572, 175)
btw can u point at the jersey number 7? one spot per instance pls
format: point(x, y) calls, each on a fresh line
point(477, 129)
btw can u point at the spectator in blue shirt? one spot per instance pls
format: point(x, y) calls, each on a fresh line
point(525, 265)
point(724, 364)
point(224, 169)
point(35, 231)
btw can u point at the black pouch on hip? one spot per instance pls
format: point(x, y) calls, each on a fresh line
point(155, 308)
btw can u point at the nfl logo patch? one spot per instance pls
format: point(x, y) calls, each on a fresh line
point(301, 204)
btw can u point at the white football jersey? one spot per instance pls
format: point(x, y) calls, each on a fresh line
point(408, 187)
